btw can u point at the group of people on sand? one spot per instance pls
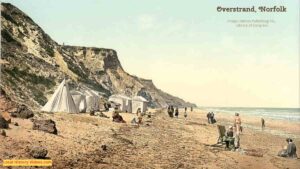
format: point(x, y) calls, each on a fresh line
point(175, 112)
point(232, 134)
point(232, 139)
point(137, 120)
point(211, 118)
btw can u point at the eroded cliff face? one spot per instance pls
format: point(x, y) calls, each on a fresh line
point(36, 64)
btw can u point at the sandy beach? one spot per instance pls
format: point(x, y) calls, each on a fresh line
point(161, 142)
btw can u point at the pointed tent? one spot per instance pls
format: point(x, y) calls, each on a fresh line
point(79, 100)
point(92, 99)
point(139, 102)
point(61, 100)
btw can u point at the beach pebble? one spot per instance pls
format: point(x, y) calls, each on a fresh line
point(38, 152)
point(3, 123)
point(104, 147)
point(22, 112)
point(6, 116)
point(8, 155)
point(47, 126)
point(3, 133)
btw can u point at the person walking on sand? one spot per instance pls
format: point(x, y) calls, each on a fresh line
point(139, 115)
point(185, 113)
point(172, 111)
point(208, 117)
point(263, 123)
point(176, 112)
point(191, 109)
point(185, 109)
point(212, 117)
point(237, 123)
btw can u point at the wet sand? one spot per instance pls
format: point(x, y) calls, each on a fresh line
point(283, 128)
point(161, 142)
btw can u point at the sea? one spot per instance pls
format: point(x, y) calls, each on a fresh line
point(286, 114)
point(289, 114)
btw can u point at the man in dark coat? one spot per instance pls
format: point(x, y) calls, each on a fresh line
point(208, 117)
point(291, 150)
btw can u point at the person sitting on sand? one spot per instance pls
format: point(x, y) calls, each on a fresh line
point(262, 123)
point(117, 117)
point(229, 139)
point(290, 151)
point(134, 121)
point(176, 112)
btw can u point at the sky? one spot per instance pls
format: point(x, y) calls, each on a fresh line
point(187, 48)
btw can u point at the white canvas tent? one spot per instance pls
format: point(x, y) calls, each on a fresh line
point(92, 100)
point(139, 102)
point(124, 101)
point(113, 105)
point(79, 100)
point(61, 100)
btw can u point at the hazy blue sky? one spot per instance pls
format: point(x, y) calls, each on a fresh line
point(187, 47)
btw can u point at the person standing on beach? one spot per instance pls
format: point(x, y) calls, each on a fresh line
point(172, 111)
point(176, 112)
point(262, 123)
point(237, 123)
point(191, 109)
point(139, 115)
point(185, 113)
point(208, 117)
point(169, 111)
point(212, 118)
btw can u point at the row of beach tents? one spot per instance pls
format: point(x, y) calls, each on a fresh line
point(128, 104)
point(87, 100)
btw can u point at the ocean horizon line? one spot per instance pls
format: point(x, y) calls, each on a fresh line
point(242, 107)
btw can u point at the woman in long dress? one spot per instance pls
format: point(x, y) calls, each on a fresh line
point(237, 123)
